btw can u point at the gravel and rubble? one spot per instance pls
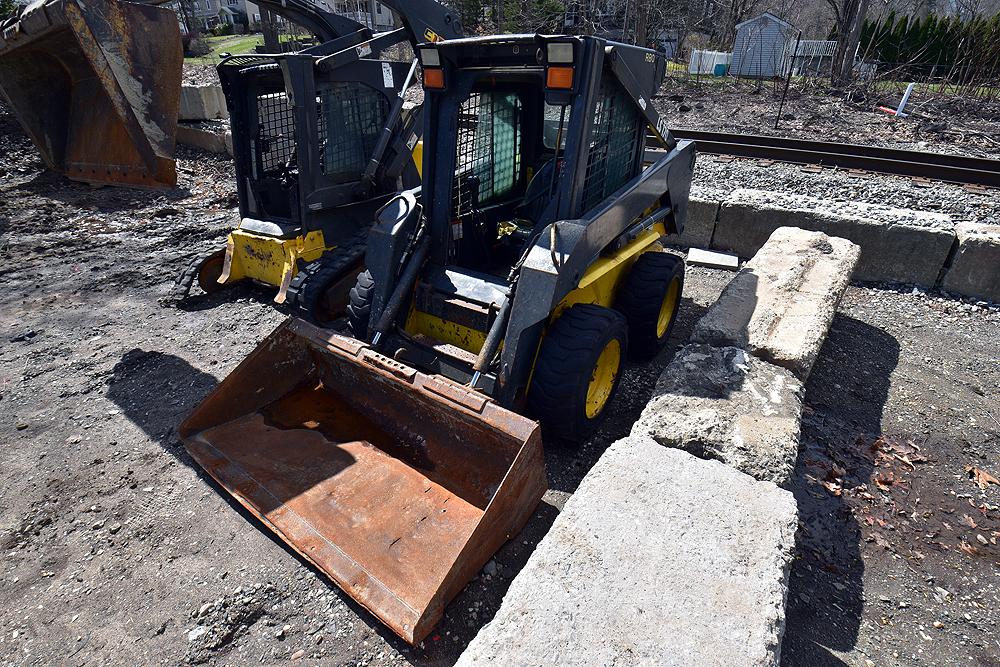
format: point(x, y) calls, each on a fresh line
point(838, 185)
point(199, 74)
point(116, 549)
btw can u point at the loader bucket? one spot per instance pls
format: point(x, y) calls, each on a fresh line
point(399, 486)
point(96, 85)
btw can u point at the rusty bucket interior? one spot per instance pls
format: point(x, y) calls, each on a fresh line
point(399, 486)
point(96, 85)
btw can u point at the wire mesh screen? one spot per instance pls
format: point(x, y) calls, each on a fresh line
point(351, 118)
point(276, 131)
point(614, 142)
point(488, 158)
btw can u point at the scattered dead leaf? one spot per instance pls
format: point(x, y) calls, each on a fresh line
point(968, 548)
point(884, 480)
point(832, 487)
point(981, 477)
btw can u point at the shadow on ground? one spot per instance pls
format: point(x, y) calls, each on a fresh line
point(156, 391)
point(842, 416)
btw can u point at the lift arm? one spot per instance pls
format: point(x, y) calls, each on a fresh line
point(640, 72)
point(325, 25)
point(423, 20)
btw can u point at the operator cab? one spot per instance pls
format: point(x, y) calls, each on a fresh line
point(504, 139)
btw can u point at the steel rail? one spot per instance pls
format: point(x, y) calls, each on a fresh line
point(919, 164)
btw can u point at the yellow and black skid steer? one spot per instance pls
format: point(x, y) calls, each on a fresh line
point(321, 139)
point(498, 304)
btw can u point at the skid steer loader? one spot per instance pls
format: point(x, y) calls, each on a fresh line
point(514, 284)
point(320, 140)
point(96, 85)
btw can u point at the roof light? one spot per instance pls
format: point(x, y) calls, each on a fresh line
point(433, 78)
point(430, 57)
point(559, 52)
point(559, 77)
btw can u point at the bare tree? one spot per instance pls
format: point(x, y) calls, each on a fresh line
point(739, 11)
point(187, 14)
point(850, 17)
point(269, 26)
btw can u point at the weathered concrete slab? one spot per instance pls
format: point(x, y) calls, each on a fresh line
point(711, 258)
point(781, 303)
point(659, 558)
point(897, 245)
point(975, 267)
point(204, 102)
point(211, 140)
point(722, 403)
point(703, 208)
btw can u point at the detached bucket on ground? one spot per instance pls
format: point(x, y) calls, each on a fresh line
point(397, 485)
point(96, 85)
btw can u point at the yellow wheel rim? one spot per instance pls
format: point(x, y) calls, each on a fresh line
point(602, 378)
point(668, 307)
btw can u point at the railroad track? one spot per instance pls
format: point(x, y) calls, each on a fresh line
point(970, 171)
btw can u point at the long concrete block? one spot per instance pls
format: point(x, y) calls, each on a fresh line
point(659, 558)
point(975, 266)
point(897, 245)
point(205, 139)
point(724, 404)
point(204, 102)
point(703, 209)
point(781, 303)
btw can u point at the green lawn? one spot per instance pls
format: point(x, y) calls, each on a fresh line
point(227, 44)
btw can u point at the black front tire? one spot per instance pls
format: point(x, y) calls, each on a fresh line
point(649, 299)
point(360, 305)
point(563, 396)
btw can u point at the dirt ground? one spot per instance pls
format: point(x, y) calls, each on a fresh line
point(937, 123)
point(116, 549)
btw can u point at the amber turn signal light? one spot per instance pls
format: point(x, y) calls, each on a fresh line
point(433, 78)
point(559, 77)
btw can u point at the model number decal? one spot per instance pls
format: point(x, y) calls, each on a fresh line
point(387, 76)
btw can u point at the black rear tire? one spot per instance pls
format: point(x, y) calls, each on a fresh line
point(360, 304)
point(649, 299)
point(563, 395)
point(321, 298)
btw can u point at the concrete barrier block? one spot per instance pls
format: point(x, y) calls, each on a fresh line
point(897, 245)
point(722, 403)
point(206, 102)
point(975, 267)
point(207, 140)
point(780, 305)
point(659, 558)
point(703, 208)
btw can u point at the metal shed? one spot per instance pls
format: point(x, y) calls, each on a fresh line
point(760, 46)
